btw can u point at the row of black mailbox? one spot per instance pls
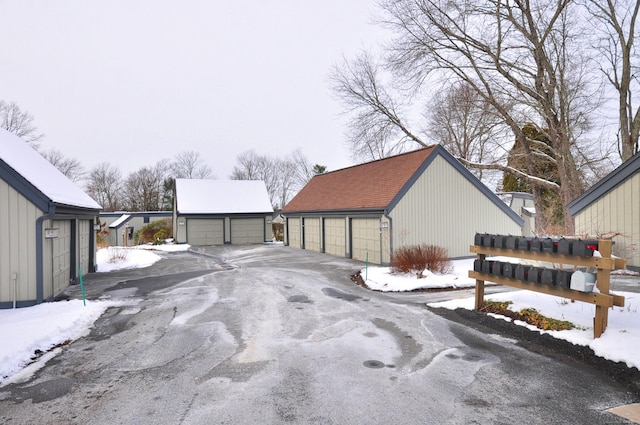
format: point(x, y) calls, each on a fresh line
point(542, 275)
point(578, 247)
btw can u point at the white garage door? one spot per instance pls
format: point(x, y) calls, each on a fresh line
point(312, 234)
point(61, 255)
point(247, 230)
point(365, 239)
point(293, 232)
point(84, 238)
point(205, 231)
point(334, 236)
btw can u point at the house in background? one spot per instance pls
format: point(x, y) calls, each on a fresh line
point(122, 225)
point(612, 207)
point(522, 204)
point(47, 236)
point(217, 212)
point(367, 211)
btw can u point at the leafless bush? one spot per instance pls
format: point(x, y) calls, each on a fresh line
point(417, 258)
point(117, 253)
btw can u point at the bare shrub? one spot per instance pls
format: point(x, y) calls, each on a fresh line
point(417, 258)
point(117, 253)
point(278, 231)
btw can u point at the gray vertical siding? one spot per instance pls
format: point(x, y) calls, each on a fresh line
point(617, 211)
point(443, 208)
point(17, 245)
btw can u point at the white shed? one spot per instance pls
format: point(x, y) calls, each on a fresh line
point(612, 207)
point(47, 236)
point(217, 212)
point(366, 211)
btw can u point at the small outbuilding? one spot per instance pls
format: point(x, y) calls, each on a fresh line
point(47, 236)
point(218, 212)
point(122, 225)
point(366, 211)
point(612, 207)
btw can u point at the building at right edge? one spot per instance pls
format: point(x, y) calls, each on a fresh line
point(612, 207)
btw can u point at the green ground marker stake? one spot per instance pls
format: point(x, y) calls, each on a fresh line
point(84, 300)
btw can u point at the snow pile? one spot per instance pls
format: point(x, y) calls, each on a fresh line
point(41, 327)
point(118, 258)
point(620, 342)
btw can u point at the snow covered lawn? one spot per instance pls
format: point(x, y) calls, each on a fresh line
point(119, 258)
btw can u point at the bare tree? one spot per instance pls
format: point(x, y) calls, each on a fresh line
point(520, 57)
point(104, 184)
point(70, 167)
point(283, 177)
point(144, 189)
point(249, 166)
point(467, 125)
point(189, 165)
point(376, 129)
point(616, 23)
point(19, 123)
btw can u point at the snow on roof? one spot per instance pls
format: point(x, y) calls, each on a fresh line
point(222, 196)
point(27, 162)
point(119, 221)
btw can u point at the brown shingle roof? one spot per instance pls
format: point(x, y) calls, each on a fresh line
point(367, 186)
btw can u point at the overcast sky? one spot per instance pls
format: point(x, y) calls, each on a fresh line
point(131, 82)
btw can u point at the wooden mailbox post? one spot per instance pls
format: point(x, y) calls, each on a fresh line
point(603, 300)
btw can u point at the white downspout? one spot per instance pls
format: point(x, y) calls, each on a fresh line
point(14, 279)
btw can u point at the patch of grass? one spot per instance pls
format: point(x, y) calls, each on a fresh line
point(528, 315)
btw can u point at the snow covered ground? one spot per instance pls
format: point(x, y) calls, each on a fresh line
point(48, 325)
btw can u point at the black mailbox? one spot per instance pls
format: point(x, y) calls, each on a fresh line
point(564, 246)
point(478, 239)
point(535, 245)
point(521, 272)
point(524, 243)
point(508, 270)
point(534, 275)
point(487, 266)
point(584, 248)
point(548, 277)
point(497, 268)
point(511, 242)
point(477, 265)
point(499, 241)
point(548, 245)
point(563, 278)
point(487, 240)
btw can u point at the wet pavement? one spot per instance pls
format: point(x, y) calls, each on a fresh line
point(271, 334)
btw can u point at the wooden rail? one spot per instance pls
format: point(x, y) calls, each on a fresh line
point(603, 300)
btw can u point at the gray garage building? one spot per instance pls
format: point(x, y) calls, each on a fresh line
point(218, 212)
point(612, 207)
point(366, 211)
point(47, 233)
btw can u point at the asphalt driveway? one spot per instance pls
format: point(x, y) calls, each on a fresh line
point(270, 335)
